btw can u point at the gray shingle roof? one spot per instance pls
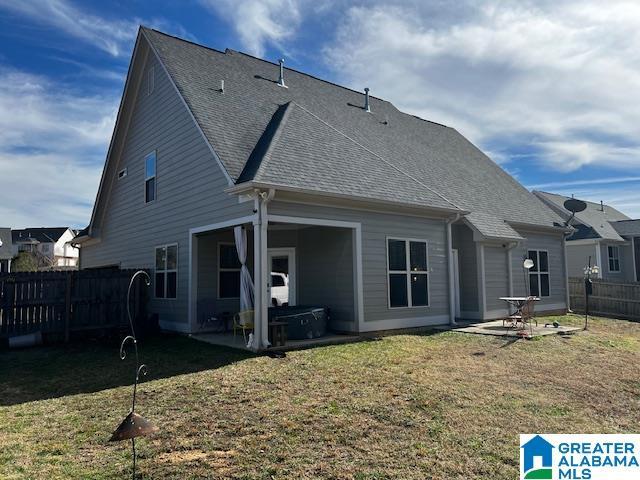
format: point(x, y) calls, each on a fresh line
point(41, 234)
point(327, 141)
point(6, 244)
point(628, 228)
point(492, 227)
point(292, 158)
point(594, 216)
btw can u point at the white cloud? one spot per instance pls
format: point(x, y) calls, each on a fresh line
point(560, 77)
point(52, 148)
point(585, 182)
point(260, 22)
point(112, 36)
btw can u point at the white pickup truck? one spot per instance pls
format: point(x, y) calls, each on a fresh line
point(279, 289)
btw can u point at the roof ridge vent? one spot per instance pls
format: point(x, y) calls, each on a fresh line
point(367, 106)
point(281, 79)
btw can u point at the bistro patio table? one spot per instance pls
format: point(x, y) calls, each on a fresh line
point(523, 311)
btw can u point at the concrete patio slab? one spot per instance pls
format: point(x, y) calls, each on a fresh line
point(231, 341)
point(496, 329)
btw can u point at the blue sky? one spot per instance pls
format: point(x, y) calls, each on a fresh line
point(550, 90)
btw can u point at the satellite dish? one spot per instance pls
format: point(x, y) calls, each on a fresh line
point(528, 263)
point(574, 205)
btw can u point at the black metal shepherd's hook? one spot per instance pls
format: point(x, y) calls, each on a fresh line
point(133, 425)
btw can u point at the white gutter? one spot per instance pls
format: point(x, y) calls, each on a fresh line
point(249, 186)
point(510, 248)
point(452, 287)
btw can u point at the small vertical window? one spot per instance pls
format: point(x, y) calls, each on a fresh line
point(166, 274)
point(150, 177)
point(228, 271)
point(539, 285)
point(151, 80)
point(407, 272)
point(614, 258)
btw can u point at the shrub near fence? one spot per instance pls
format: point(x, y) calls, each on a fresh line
point(61, 303)
point(621, 300)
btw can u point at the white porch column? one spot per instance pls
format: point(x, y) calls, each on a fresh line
point(261, 270)
point(257, 275)
point(451, 267)
point(193, 282)
point(264, 276)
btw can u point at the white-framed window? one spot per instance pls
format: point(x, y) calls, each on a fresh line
point(614, 258)
point(407, 272)
point(539, 280)
point(166, 273)
point(228, 271)
point(151, 80)
point(150, 177)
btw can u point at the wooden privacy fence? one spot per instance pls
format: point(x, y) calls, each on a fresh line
point(60, 303)
point(619, 300)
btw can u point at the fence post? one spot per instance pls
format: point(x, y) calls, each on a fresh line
point(67, 305)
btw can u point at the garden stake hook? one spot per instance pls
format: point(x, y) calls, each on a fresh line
point(133, 425)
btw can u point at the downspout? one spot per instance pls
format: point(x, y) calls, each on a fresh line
point(452, 287)
point(510, 248)
point(566, 271)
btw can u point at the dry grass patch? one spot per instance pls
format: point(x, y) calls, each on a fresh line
point(436, 405)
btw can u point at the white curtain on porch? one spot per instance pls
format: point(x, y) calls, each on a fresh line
point(246, 284)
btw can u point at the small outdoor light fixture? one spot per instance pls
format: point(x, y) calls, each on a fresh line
point(528, 265)
point(133, 425)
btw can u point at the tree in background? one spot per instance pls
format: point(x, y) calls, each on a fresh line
point(24, 262)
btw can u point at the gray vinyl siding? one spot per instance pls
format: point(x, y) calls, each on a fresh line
point(376, 227)
point(190, 192)
point(578, 258)
point(540, 241)
point(496, 273)
point(325, 272)
point(626, 273)
point(468, 268)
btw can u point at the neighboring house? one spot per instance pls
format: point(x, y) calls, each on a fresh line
point(390, 220)
point(608, 236)
point(52, 247)
point(6, 250)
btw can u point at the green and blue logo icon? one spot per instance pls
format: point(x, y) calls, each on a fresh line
point(536, 459)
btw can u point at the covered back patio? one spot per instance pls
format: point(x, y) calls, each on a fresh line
point(304, 274)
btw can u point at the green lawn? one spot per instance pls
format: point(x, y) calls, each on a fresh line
point(431, 405)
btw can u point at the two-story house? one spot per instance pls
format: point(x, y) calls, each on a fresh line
point(52, 247)
point(390, 220)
